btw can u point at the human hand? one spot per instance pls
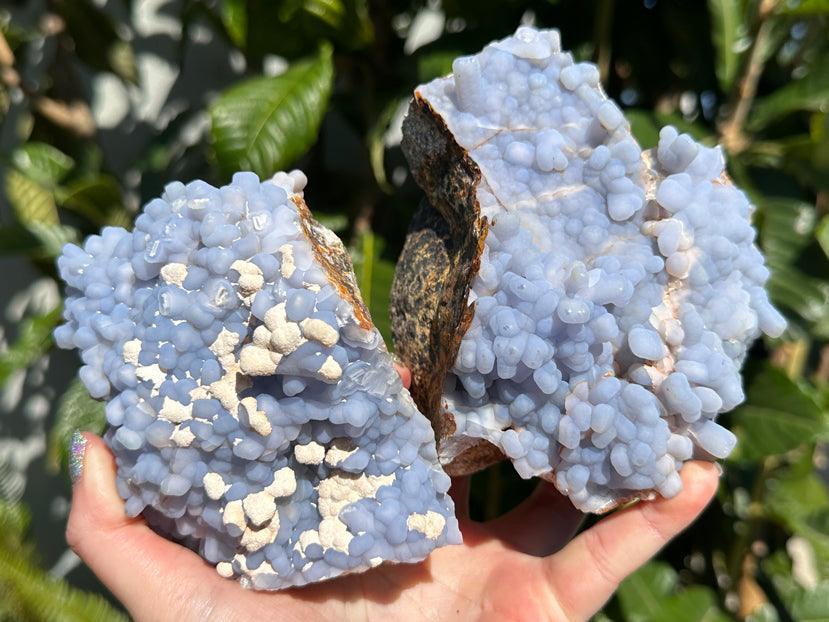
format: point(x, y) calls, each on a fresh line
point(525, 565)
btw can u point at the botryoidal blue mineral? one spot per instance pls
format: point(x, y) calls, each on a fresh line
point(617, 290)
point(253, 409)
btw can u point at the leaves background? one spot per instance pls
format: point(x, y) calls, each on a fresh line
point(103, 102)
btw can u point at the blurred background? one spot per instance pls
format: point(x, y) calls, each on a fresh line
point(103, 102)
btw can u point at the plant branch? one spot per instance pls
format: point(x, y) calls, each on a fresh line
point(731, 129)
point(74, 117)
point(603, 36)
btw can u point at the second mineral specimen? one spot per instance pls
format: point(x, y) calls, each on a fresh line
point(565, 299)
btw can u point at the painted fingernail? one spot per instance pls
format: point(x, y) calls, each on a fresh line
point(77, 449)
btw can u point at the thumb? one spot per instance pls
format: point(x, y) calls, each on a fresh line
point(146, 572)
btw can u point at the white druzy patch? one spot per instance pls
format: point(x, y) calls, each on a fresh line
point(618, 291)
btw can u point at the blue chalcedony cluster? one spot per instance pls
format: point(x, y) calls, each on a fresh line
point(618, 290)
point(254, 414)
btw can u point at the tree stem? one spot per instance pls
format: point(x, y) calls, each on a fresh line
point(732, 128)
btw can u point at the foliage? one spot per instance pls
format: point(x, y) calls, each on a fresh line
point(27, 593)
point(76, 411)
point(103, 103)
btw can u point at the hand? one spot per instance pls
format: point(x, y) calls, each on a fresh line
point(525, 565)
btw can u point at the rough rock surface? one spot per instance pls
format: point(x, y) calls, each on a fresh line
point(254, 411)
point(565, 299)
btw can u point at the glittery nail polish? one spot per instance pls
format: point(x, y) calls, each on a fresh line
point(77, 449)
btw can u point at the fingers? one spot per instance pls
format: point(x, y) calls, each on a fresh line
point(405, 374)
point(586, 572)
point(147, 573)
point(541, 525)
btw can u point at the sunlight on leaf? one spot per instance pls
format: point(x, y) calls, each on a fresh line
point(42, 163)
point(265, 124)
point(32, 203)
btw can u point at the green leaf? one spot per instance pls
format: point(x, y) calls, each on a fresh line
point(329, 12)
point(435, 64)
point(793, 493)
point(374, 276)
point(42, 163)
point(645, 125)
point(235, 19)
point(31, 202)
point(779, 415)
point(765, 612)
point(37, 241)
point(801, 604)
point(822, 234)
point(336, 222)
point(811, 605)
point(727, 28)
point(76, 411)
point(357, 28)
point(97, 198)
point(51, 238)
point(651, 595)
point(34, 338)
point(377, 145)
point(264, 124)
point(14, 522)
point(797, 499)
point(804, 156)
point(811, 92)
point(303, 25)
point(803, 7)
point(641, 595)
point(693, 604)
point(29, 593)
point(786, 232)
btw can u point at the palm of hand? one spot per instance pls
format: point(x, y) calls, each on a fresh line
point(522, 566)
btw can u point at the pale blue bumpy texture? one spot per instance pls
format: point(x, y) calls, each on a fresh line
point(251, 415)
point(618, 291)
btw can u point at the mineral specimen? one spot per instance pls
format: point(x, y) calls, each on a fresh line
point(565, 299)
point(254, 412)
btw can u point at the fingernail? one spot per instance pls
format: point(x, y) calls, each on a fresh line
point(77, 449)
point(719, 468)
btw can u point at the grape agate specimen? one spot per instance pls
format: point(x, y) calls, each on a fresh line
point(565, 299)
point(254, 411)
